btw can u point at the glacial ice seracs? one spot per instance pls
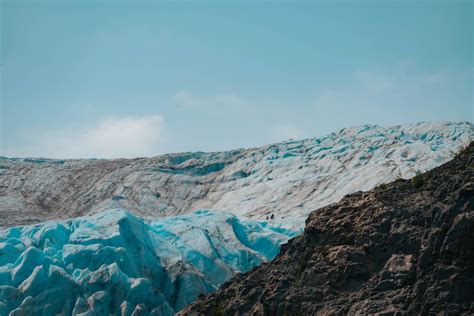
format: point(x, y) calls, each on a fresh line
point(114, 263)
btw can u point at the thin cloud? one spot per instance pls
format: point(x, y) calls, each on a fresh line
point(188, 101)
point(403, 92)
point(377, 81)
point(285, 132)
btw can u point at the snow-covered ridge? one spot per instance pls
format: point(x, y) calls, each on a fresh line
point(289, 179)
point(116, 263)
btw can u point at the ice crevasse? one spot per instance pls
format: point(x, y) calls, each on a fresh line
point(117, 263)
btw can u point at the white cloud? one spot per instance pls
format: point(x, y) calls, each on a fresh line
point(124, 137)
point(285, 132)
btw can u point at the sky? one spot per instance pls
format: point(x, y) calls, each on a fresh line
point(110, 79)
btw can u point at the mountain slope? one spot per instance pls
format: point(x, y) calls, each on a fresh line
point(115, 263)
point(288, 179)
point(405, 247)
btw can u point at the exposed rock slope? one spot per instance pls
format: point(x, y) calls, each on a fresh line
point(289, 179)
point(406, 247)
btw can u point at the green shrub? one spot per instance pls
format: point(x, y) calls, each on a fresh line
point(217, 309)
point(381, 187)
point(418, 180)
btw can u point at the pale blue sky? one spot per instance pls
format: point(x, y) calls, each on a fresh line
point(134, 78)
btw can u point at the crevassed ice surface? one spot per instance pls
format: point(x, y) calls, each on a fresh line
point(116, 263)
point(289, 179)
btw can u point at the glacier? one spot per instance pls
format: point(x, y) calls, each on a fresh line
point(116, 263)
point(148, 235)
point(289, 179)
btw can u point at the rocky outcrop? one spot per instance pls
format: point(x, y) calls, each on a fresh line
point(289, 179)
point(406, 247)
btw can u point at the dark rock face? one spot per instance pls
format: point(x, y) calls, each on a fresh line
point(403, 248)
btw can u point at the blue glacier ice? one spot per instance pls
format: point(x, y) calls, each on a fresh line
point(115, 263)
